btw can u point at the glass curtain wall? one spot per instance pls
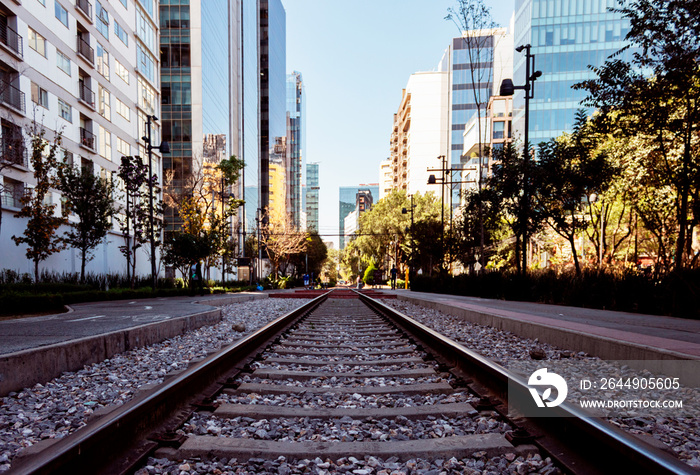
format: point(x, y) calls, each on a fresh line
point(566, 37)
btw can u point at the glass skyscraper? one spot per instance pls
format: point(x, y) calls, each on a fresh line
point(296, 146)
point(249, 90)
point(312, 196)
point(566, 36)
point(273, 91)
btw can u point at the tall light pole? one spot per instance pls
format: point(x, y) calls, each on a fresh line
point(162, 148)
point(508, 89)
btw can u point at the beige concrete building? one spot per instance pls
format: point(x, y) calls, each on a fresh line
point(419, 134)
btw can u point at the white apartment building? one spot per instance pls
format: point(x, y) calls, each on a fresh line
point(86, 69)
point(386, 178)
point(420, 132)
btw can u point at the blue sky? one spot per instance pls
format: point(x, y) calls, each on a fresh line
point(356, 57)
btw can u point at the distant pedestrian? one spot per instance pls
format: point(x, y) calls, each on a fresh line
point(196, 278)
point(359, 282)
point(394, 272)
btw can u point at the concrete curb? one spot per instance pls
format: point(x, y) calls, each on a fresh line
point(656, 359)
point(26, 368)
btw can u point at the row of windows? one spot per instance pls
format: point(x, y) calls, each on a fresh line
point(40, 97)
point(39, 44)
point(580, 33)
point(555, 8)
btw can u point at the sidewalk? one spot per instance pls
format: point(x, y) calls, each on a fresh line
point(37, 349)
point(603, 333)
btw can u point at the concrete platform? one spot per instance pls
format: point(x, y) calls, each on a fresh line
point(38, 349)
point(664, 342)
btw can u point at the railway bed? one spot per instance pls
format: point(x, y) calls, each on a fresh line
point(382, 386)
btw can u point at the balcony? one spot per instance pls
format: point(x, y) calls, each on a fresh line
point(14, 152)
point(11, 40)
point(13, 97)
point(85, 8)
point(86, 94)
point(87, 139)
point(86, 51)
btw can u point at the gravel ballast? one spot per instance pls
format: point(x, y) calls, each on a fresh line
point(63, 405)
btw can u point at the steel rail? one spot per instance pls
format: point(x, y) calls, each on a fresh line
point(104, 445)
point(581, 443)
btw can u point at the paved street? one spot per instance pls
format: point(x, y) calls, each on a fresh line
point(94, 318)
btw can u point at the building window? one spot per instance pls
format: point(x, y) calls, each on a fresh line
point(65, 110)
point(43, 2)
point(121, 33)
point(148, 6)
point(499, 130)
point(147, 97)
point(123, 2)
point(102, 22)
point(146, 31)
point(146, 64)
point(123, 147)
point(37, 42)
point(61, 13)
point(121, 71)
point(105, 139)
point(104, 100)
point(102, 61)
point(63, 62)
point(123, 110)
point(40, 96)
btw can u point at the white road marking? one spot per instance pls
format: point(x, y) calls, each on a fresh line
point(148, 307)
point(87, 318)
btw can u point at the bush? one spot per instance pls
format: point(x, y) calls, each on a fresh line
point(678, 294)
point(14, 303)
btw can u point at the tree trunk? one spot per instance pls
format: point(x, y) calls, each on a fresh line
point(82, 266)
point(36, 271)
point(572, 241)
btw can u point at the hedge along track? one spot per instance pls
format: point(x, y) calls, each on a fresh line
point(321, 340)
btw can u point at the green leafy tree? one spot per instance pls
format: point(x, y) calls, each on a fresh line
point(312, 258)
point(568, 170)
point(40, 235)
point(183, 249)
point(89, 197)
point(656, 96)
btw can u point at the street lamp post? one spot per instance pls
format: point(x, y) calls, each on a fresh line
point(162, 148)
point(508, 89)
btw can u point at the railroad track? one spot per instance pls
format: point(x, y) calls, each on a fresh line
point(342, 376)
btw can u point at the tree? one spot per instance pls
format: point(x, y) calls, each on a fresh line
point(43, 223)
point(89, 197)
point(478, 217)
point(506, 185)
point(182, 249)
point(662, 106)
point(569, 169)
point(134, 175)
point(281, 240)
point(312, 259)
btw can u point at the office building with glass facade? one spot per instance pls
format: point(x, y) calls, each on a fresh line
point(348, 202)
point(296, 138)
point(273, 90)
point(313, 190)
point(566, 37)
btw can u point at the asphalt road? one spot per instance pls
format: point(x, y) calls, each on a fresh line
point(88, 319)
